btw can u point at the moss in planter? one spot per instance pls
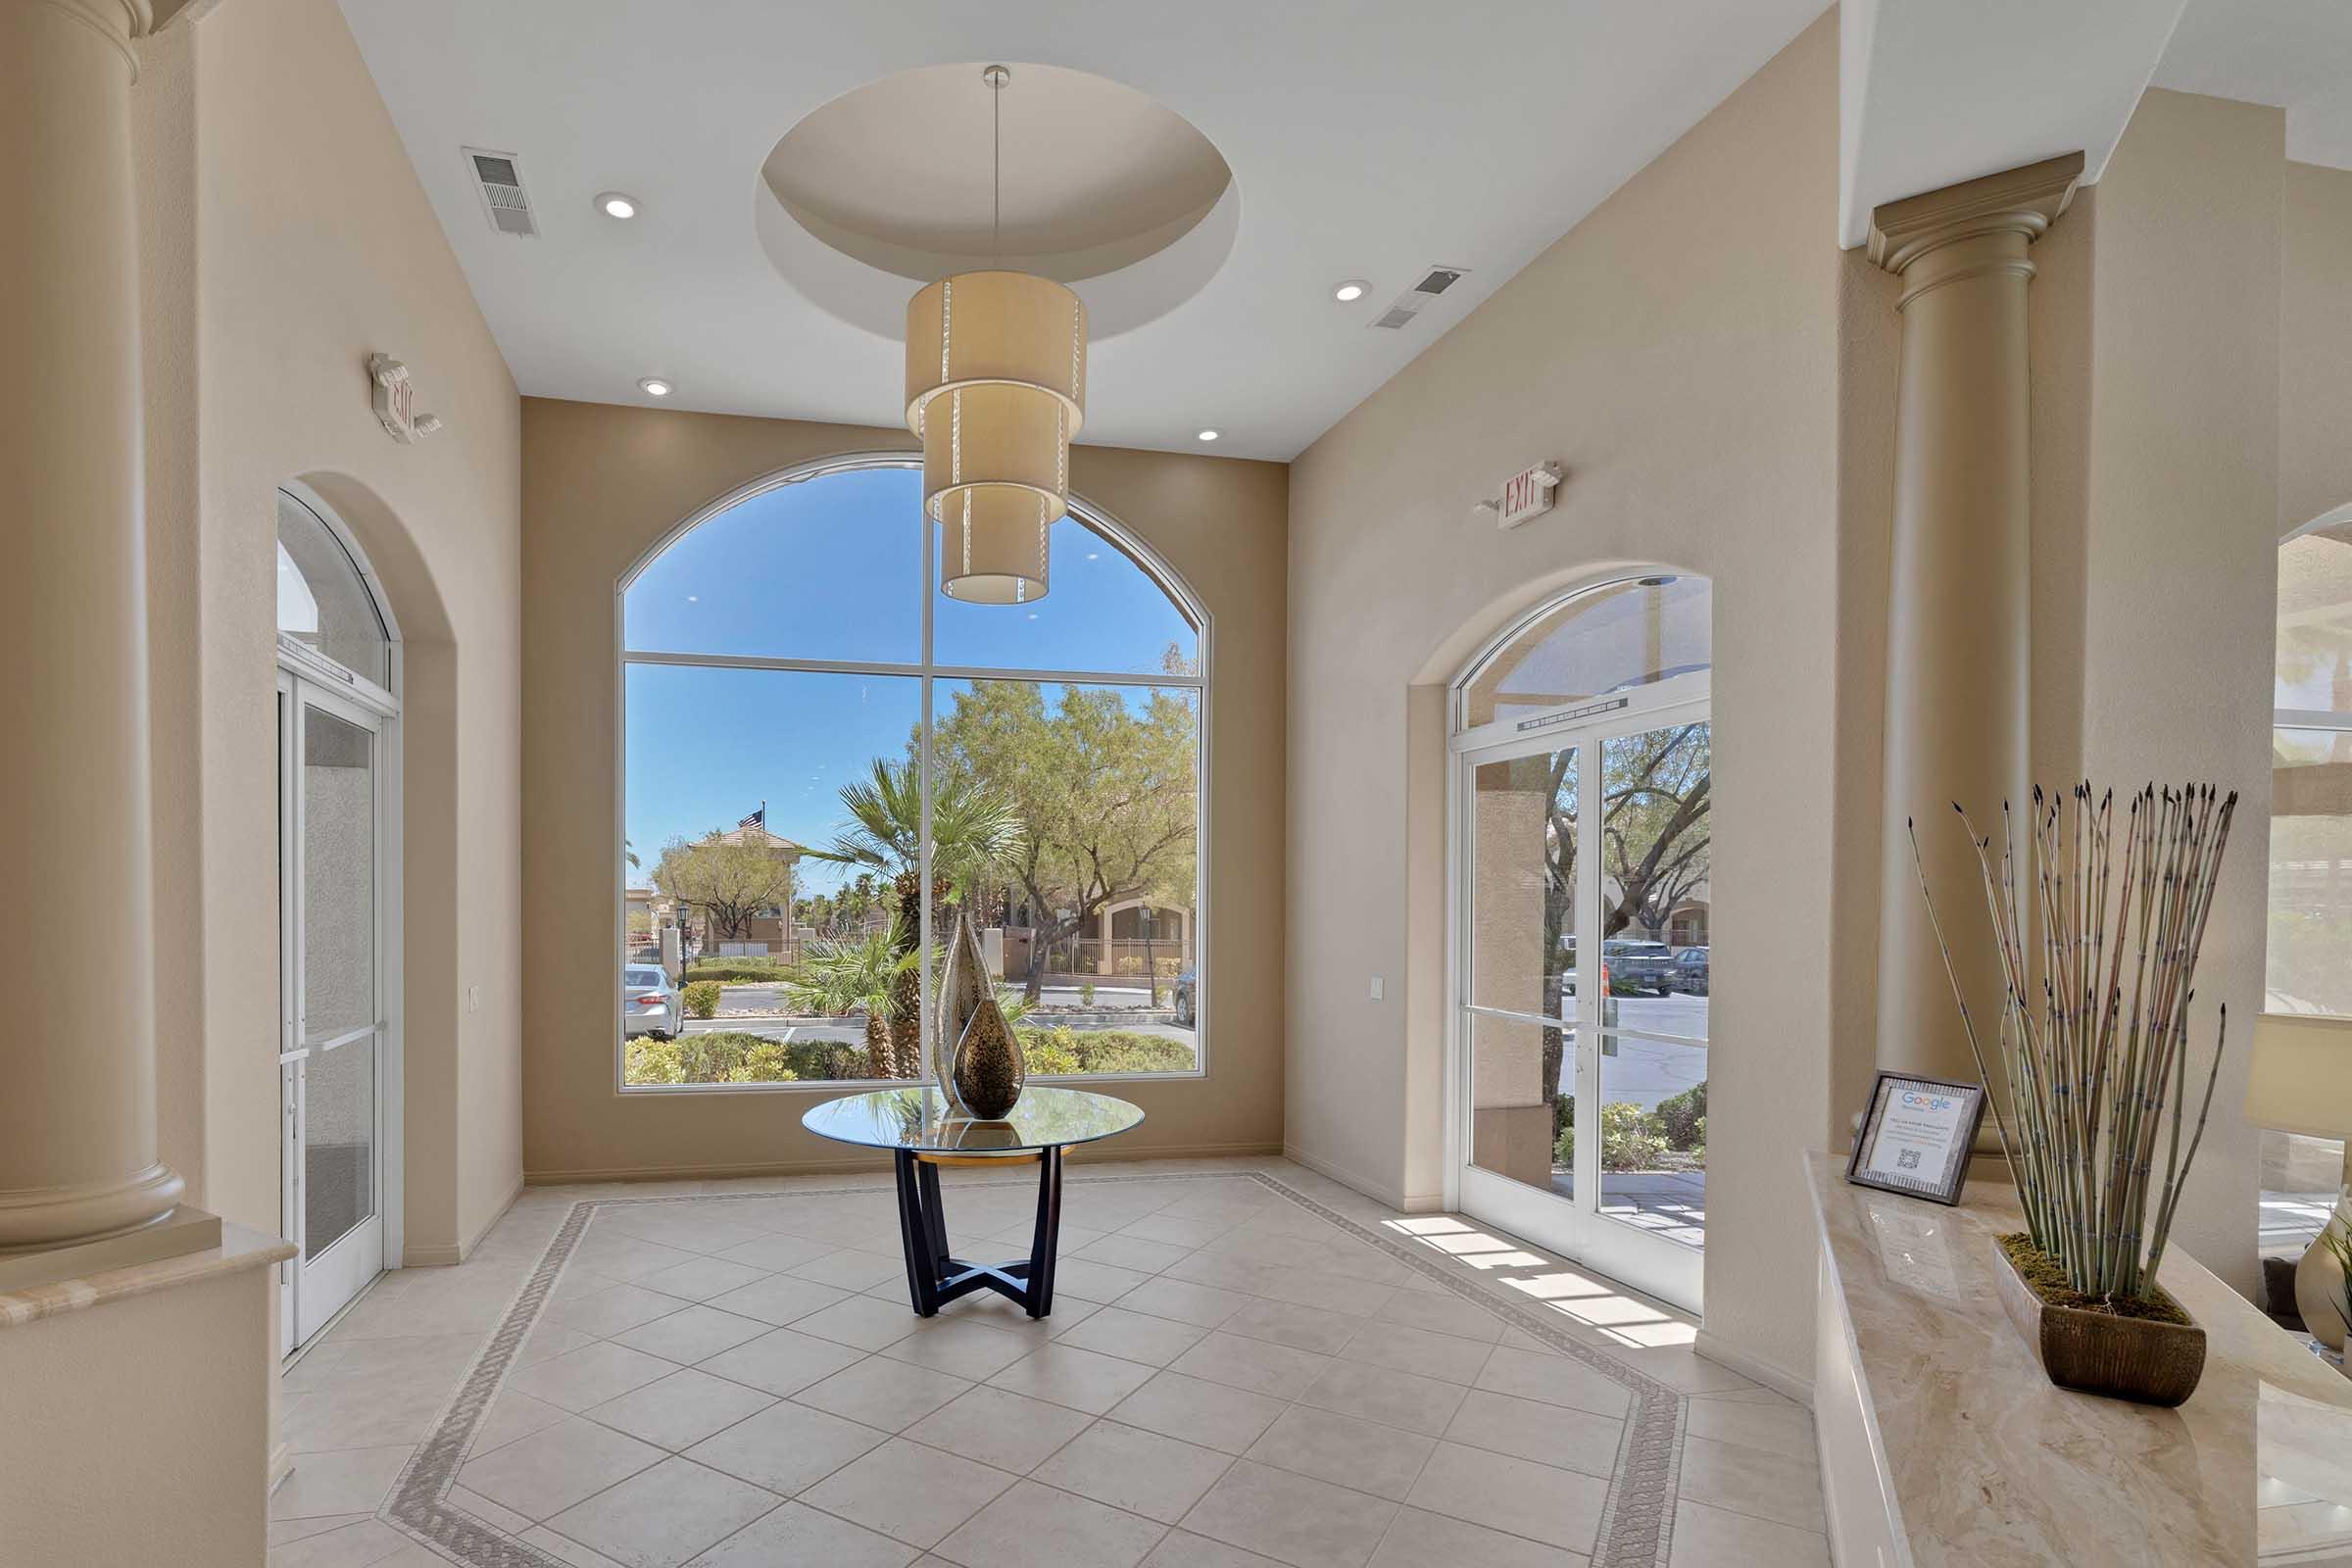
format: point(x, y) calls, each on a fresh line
point(2048, 1278)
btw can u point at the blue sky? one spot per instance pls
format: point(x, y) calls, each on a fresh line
point(831, 569)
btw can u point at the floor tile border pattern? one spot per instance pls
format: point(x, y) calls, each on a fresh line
point(1637, 1515)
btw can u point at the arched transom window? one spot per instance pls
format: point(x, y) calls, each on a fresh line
point(788, 684)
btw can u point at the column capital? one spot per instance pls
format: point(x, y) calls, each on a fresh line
point(2023, 201)
point(119, 22)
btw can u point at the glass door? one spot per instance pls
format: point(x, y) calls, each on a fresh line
point(333, 1025)
point(1582, 987)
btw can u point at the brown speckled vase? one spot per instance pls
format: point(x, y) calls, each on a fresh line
point(989, 1069)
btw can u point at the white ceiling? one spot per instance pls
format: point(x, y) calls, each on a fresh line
point(1367, 138)
point(2295, 55)
point(1934, 92)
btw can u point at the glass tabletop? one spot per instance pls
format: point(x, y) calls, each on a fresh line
point(920, 1118)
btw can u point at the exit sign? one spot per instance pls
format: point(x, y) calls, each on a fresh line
point(1526, 494)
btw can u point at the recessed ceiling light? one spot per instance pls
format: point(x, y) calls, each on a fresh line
point(617, 204)
point(652, 386)
point(1353, 289)
point(1211, 435)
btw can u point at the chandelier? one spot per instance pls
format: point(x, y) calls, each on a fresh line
point(996, 388)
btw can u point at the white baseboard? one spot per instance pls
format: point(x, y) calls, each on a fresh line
point(1779, 1379)
point(1379, 1192)
point(416, 1257)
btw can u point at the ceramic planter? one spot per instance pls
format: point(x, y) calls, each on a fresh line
point(2099, 1353)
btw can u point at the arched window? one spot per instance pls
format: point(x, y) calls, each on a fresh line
point(324, 601)
point(2307, 961)
point(789, 681)
point(1583, 790)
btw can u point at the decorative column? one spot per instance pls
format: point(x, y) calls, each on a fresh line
point(77, 1150)
point(1959, 609)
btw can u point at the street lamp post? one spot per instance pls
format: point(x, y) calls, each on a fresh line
point(1151, 972)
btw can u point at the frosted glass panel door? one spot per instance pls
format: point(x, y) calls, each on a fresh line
point(332, 1052)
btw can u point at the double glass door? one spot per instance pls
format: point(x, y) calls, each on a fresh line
point(1582, 988)
point(332, 1030)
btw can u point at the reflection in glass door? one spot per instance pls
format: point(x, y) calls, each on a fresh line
point(1583, 980)
point(332, 1027)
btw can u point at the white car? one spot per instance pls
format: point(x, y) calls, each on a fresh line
point(649, 1003)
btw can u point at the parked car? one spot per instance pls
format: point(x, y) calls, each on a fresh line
point(649, 1003)
point(1639, 965)
point(1691, 971)
point(1184, 984)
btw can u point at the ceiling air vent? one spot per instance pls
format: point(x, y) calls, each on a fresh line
point(503, 197)
point(1435, 281)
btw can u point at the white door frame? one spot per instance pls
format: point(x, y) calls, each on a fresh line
point(307, 678)
point(1573, 1227)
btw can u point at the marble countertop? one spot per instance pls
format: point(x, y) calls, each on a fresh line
point(1991, 1465)
point(240, 1248)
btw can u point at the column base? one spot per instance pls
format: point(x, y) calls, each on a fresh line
point(182, 1229)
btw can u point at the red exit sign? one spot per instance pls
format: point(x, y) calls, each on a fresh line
point(1527, 494)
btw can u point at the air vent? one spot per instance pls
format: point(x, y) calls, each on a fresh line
point(504, 199)
point(1434, 280)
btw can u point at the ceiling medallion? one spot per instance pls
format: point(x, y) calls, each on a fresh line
point(996, 388)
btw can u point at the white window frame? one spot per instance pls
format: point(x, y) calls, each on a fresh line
point(1670, 1270)
point(299, 662)
point(927, 670)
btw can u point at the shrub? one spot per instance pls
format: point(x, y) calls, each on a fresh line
point(702, 999)
point(725, 1057)
point(1682, 1119)
point(1063, 1050)
point(1629, 1140)
point(737, 971)
point(1086, 994)
point(1049, 1052)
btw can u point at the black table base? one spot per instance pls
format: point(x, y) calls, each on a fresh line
point(934, 1278)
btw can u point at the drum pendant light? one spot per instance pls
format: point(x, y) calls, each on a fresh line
point(996, 388)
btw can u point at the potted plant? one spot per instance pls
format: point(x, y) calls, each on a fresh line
point(2091, 1108)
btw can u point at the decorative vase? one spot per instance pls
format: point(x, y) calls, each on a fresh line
point(989, 1067)
point(963, 988)
point(2322, 1298)
point(2135, 1358)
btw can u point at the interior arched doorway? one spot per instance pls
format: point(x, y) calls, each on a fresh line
point(1579, 810)
point(340, 912)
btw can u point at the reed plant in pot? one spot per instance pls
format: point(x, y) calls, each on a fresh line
point(2098, 954)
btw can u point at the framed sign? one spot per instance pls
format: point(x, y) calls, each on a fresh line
point(1915, 1136)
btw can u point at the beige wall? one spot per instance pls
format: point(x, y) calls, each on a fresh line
point(2181, 546)
point(1677, 352)
point(137, 1429)
point(2315, 355)
point(285, 238)
point(601, 485)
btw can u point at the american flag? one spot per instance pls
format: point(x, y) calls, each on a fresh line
point(757, 820)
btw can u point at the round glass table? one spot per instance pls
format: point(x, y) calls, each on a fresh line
point(923, 1132)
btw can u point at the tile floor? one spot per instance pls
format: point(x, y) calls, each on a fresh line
point(726, 1375)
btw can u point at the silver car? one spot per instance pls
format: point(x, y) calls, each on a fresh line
point(650, 1005)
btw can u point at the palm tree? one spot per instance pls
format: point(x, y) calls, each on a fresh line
point(973, 828)
point(845, 976)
